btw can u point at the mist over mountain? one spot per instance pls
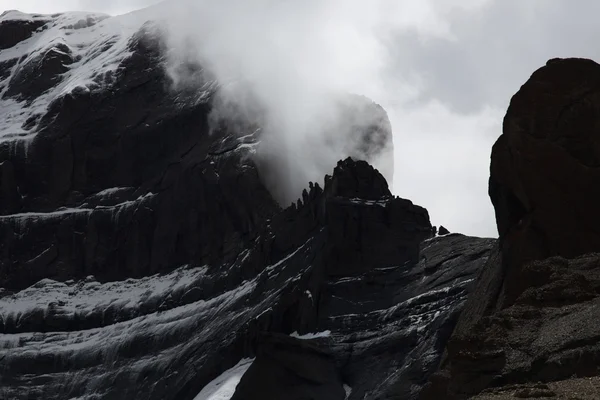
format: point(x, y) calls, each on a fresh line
point(195, 203)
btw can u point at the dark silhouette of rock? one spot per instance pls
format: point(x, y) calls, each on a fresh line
point(289, 368)
point(443, 231)
point(543, 175)
point(528, 319)
point(15, 31)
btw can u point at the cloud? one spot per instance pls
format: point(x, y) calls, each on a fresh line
point(298, 62)
point(444, 70)
point(294, 54)
point(112, 7)
point(465, 79)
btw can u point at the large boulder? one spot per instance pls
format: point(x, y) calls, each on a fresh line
point(544, 174)
point(530, 316)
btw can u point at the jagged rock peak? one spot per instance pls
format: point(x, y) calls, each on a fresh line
point(352, 179)
point(357, 179)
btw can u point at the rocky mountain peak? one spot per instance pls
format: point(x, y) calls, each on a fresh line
point(357, 179)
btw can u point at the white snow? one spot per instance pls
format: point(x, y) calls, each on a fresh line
point(380, 203)
point(111, 191)
point(24, 217)
point(223, 387)
point(170, 335)
point(271, 268)
point(85, 296)
point(309, 336)
point(83, 40)
point(97, 43)
point(348, 391)
point(107, 340)
point(252, 147)
point(51, 214)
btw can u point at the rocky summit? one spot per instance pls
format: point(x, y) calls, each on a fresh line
point(144, 252)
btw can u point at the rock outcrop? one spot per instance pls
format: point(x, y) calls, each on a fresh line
point(141, 255)
point(530, 317)
point(544, 172)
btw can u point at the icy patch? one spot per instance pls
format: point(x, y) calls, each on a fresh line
point(111, 191)
point(309, 336)
point(223, 387)
point(104, 343)
point(435, 292)
point(271, 268)
point(348, 391)
point(380, 203)
point(251, 147)
point(52, 214)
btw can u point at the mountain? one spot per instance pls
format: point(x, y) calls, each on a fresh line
point(145, 251)
point(143, 254)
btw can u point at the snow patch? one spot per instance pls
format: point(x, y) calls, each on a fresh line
point(25, 217)
point(111, 191)
point(380, 203)
point(348, 391)
point(84, 297)
point(223, 387)
point(309, 336)
point(106, 341)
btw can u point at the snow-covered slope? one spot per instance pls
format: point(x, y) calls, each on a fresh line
point(88, 49)
point(223, 387)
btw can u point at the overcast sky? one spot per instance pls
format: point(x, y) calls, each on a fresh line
point(445, 73)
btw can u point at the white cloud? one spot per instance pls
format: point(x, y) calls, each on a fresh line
point(443, 69)
point(112, 7)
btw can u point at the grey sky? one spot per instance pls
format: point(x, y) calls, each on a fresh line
point(443, 69)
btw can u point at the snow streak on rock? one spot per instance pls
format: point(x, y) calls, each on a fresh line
point(223, 387)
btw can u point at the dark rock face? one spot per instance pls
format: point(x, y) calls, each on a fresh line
point(122, 183)
point(443, 231)
point(544, 175)
point(389, 320)
point(38, 74)
point(528, 319)
point(287, 368)
point(545, 336)
point(13, 32)
point(141, 255)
